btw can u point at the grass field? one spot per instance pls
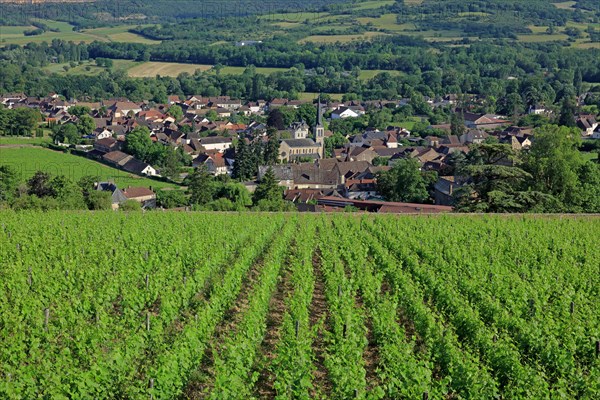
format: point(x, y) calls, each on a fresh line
point(6, 140)
point(386, 21)
point(14, 34)
point(28, 160)
point(371, 73)
point(367, 5)
point(340, 38)
point(120, 34)
point(151, 69)
point(308, 96)
point(538, 38)
point(90, 68)
point(565, 5)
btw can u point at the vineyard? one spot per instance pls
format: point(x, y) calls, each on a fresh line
point(238, 306)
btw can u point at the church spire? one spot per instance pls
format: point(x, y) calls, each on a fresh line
point(319, 112)
point(320, 129)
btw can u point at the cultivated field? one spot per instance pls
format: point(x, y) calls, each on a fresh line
point(340, 38)
point(15, 35)
point(151, 69)
point(165, 305)
point(28, 160)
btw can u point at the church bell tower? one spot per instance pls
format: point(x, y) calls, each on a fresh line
point(320, 130)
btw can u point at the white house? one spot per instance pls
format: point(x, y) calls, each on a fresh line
point(537, 109)
point(102, 133)
point(218, 143)
point(345, 112)
point(587, 124)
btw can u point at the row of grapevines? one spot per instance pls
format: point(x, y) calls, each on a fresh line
point(346, 338)
point(293, 364)
point(515, 379)
point(401, 373)
point(467, 377)
point(175, 362)
point(531, 331)
point(233, 366)
point(98, 298)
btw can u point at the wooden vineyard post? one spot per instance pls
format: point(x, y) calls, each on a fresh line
point(147, 282)
point(425, 395)
point(46, 318)
point(151, 386)
point(297, 328)
point(572, 308)
point(148, 321)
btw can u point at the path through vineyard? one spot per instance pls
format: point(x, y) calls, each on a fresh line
point(298, 306)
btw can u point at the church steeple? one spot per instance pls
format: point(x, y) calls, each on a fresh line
point(320, 129)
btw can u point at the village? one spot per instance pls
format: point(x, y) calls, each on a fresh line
point(317, 172)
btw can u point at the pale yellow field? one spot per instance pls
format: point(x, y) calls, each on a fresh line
point(386, 21)
point(119, 34)
point(541, 38)
point(565, 5)
point(151, 69)
point(367, 5)
point(340, 38)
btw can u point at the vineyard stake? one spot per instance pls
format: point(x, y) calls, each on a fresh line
point(151, 386)
point(148, 321)
point(147, 282)
point(339, 290)
point(297, 328)
point(46, 318)
point(425, 395)
point(356, 393)
point(345, 330)
point(572, 308)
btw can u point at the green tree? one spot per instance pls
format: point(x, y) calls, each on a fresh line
point(200, 187)
point(79, 111)
point(99, 200)
point(554, 160)
point(171, 198)
point(271, 151)
point(176, 112)
point(457, 124)
point(65, 133)
point(67, 193)
point(335, 141)
point(39, 185)
point(268, 189)
point(130, 205)
point(244, 166)
point(404, 182)
point(307, 113)
point(8, 183)
point(236, 193)
point(85, 125)
point(138, 143)
point(567, 113)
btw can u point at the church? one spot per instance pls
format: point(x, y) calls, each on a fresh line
point(301, 147)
